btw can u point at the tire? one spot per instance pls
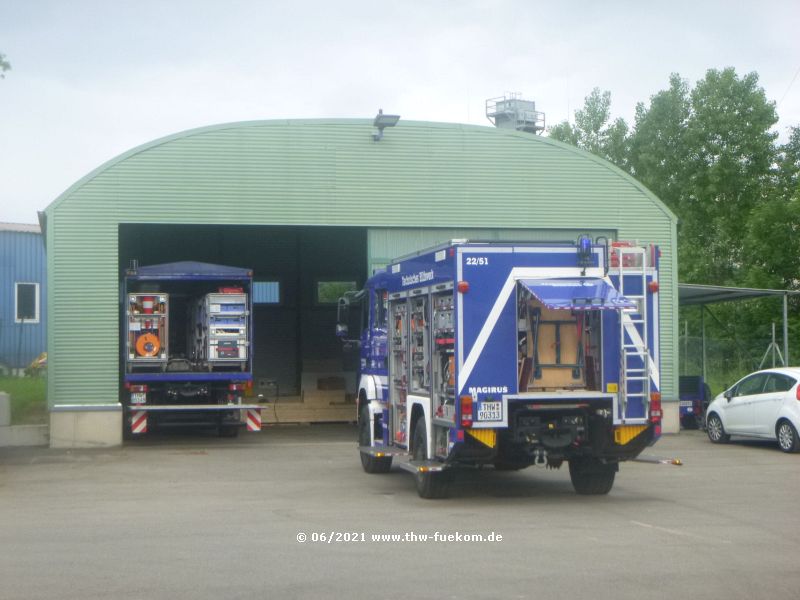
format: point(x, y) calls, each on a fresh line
point(787, 436)
point(429, 485)
point(689, 422)
point(715, 430)
point(590, 477)
point(229, 431)
point(371, 464)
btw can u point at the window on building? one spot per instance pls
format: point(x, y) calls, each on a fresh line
point(27, 302)
point(266, 292)
point(329, 292)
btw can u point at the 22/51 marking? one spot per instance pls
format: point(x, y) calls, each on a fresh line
point(478, 261)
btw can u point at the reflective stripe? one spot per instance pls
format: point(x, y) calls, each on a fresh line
point(253, 419)
point(139, 421)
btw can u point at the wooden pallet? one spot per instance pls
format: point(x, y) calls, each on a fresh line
point(317, 407)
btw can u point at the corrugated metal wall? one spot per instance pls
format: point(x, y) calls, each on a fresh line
point(22, 260)
point(325, 172)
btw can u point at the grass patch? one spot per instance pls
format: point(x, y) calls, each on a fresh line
point(28, 399)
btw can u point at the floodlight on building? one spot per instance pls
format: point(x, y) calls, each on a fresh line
point(381, 122)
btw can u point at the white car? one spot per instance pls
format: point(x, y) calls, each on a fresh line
point(765, 405)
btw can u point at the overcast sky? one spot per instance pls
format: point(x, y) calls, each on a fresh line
point(92, 79)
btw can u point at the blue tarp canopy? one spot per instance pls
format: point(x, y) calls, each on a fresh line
point(588, 293)
point(190, 270)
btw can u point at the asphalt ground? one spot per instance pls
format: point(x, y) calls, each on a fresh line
point(195, 516)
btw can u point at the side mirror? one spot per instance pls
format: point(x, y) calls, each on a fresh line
point(342, 317)
point(728, 394)
point(345, 317)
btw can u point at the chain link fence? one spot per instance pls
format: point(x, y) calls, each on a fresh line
point(726, 359)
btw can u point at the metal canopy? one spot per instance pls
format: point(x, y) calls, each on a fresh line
point(189, 270)
point(577, 294)
point(692, 294)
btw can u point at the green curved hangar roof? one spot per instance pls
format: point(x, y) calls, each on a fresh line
point(332, 172)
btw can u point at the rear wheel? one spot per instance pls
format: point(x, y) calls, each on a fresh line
point(229, 431)
point(371, 464)
point(787, 437)
point(715, 430)
point(429, 485)
point(591, 477)
point(689, 422)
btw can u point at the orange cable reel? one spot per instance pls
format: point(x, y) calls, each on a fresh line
point(148, 345)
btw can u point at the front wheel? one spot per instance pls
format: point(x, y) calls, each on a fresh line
point(592, 477)
point(371, 464)
point(715, 430)
point(787, 437)
point(429, 485)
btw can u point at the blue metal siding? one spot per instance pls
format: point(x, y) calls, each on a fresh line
point(22, 260)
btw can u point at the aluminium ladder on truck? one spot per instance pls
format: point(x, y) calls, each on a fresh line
point(635, 360)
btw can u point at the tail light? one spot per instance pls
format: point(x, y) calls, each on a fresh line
point(138, 389)
point(466, 411)
point(655, 408)
point(236, 387)
point(797, 392)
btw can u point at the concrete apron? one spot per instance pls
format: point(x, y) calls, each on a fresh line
point(18, 435)
point(86, 426)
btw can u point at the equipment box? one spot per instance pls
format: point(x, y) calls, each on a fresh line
point(221, 330)
point(147, 330)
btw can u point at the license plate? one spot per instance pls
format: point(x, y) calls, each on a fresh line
point(490, 411)
point(138, 398)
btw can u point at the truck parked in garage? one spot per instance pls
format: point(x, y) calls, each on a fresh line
point(509, 354)
point(186, 347)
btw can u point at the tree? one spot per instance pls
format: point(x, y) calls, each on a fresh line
point(789, 164)
point(4, 65)
point(708, 154)
point(773, 236)
point(657, 146)
point(593, 132)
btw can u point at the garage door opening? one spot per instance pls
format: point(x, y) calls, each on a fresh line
point(298, 272)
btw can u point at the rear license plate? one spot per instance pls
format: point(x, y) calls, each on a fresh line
point(490, 411)
point(138, 398)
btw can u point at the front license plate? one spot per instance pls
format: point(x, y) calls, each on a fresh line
point(490, 411)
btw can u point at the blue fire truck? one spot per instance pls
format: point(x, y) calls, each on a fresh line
point(508, 354)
